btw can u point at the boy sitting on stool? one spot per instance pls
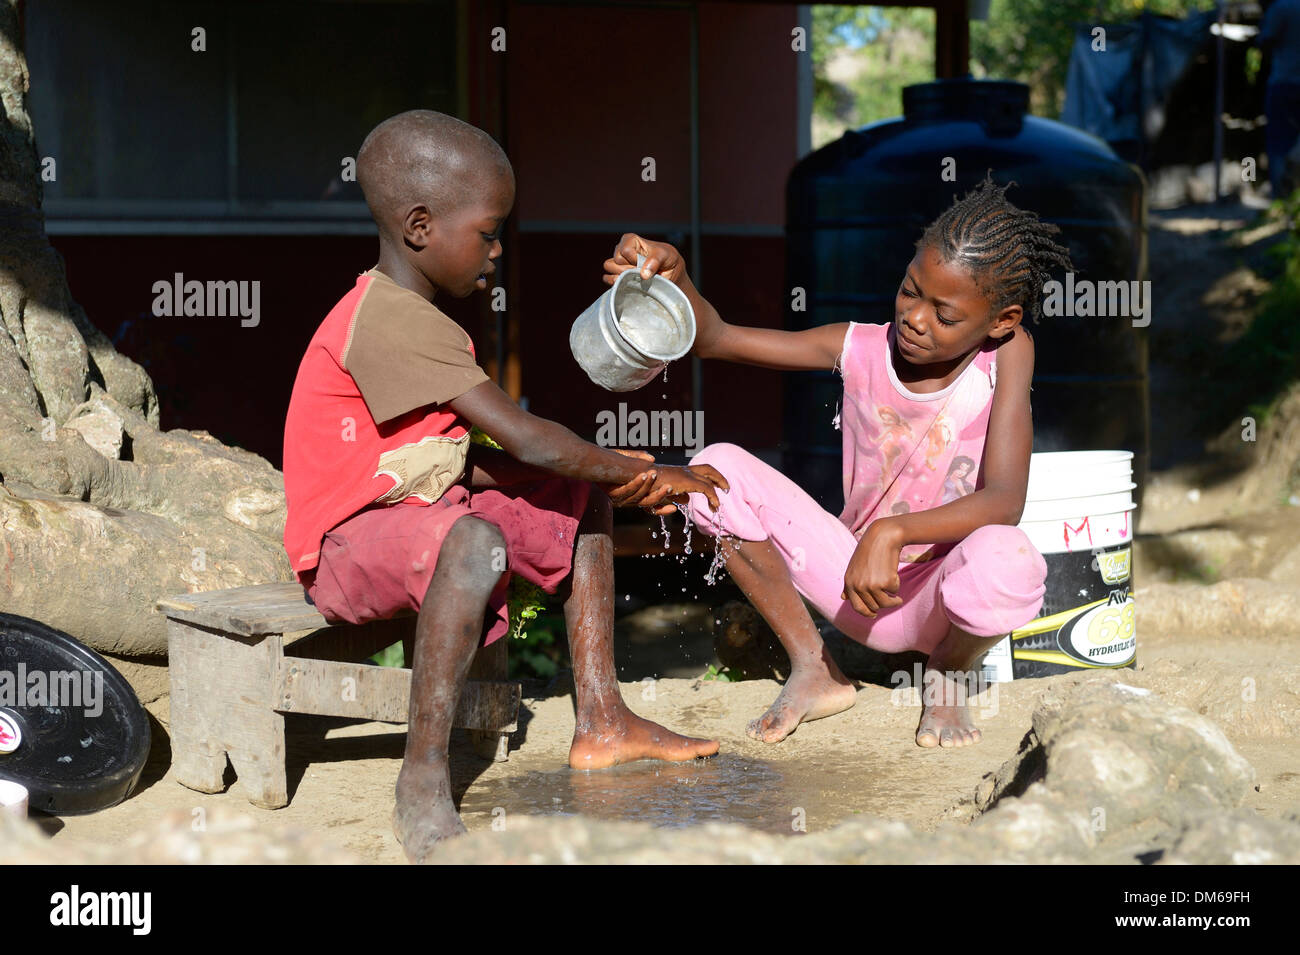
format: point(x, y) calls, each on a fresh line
point(391, 508)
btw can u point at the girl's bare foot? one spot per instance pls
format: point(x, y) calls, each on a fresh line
point(947, 687)
point(810, 694)
point(625, 737)
point(945, 716)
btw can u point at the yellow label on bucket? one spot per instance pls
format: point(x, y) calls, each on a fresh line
point(1097, 634)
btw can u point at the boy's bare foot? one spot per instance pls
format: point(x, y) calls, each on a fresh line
point(627, 737)
point(945, 717)
point(425, 814)
point(810, 694)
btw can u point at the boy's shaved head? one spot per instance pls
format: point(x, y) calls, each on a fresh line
point(426, 157)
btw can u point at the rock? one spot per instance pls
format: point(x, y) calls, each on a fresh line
point(261, 509)
point(111, 566)
point(199, 837)
point(569, 841)
point(1043, 827)
point(1287, 569)
point(148, 676)
point(1258, 702)
point(226, 837)
point(58, 359)
point(102, 429)
point(184, 514)
point(1241, 606)
point(863, 841)
point(1236, 838)
point(1119, 757)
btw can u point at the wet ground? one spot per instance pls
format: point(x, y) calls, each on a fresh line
point(727, 788)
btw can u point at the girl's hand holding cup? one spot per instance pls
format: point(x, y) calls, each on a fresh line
point(660, 259)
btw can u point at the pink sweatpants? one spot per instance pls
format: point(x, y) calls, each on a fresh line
point(990, 583)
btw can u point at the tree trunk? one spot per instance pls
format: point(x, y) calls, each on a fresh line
point(100, 511)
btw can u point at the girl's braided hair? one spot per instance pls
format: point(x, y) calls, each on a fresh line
point(1008, 251)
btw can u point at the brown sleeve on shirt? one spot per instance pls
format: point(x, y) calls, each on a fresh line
point(404, 353)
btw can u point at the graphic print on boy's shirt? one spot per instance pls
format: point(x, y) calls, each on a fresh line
point(367, 421)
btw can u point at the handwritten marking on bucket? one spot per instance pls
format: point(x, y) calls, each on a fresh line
point(629, 335)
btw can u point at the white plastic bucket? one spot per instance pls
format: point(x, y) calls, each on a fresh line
point(1079, 514)
point(630, 334)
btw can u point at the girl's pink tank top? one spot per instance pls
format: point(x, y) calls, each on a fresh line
point(903, 451)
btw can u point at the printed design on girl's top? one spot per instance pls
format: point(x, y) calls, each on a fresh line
point(937, 439)
point(895, 435)
point(906, 453)
point(956, 485)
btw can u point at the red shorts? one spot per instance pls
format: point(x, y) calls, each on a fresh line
point(379, 562)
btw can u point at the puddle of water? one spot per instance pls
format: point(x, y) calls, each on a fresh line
point(726, 788)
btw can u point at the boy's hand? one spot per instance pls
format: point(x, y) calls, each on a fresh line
point(635, 491)
point(675, 484)
point(660, 259)
point(871, 582)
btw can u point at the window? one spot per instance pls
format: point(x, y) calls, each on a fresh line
point(149, 134)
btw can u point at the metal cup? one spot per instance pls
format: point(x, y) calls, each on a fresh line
point(629, 335)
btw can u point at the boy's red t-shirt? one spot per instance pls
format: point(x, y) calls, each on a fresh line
point(367, 421)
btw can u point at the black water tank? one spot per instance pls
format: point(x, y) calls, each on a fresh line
point(855, 208)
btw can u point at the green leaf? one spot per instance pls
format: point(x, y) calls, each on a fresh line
point(478, 436)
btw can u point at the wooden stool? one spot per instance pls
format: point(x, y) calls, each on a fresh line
point(240, 659)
